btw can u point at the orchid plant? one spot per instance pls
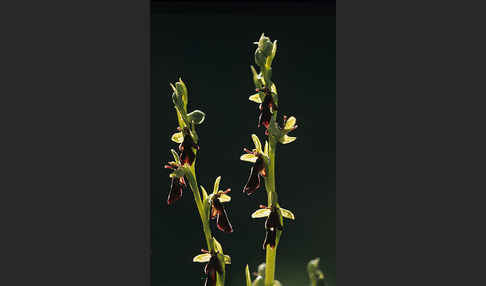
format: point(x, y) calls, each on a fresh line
point(210, 206)
point(262, 157)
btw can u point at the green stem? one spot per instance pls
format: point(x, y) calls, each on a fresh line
point(191, 177)
point(271, 252)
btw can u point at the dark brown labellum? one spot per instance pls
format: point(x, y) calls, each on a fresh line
point(273, 220)
point(270, 238)
point(188, 155)
point(253, 183)
point(175, 192)
point(222, 221)
point(211, 268)
point(266, 109)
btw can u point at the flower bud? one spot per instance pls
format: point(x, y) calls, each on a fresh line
point(265, 45)
point(259, 58)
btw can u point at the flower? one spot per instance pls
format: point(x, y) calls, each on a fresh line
point(256, 171)
point(257, 157)
point(177, 183)
point(288, 126)
point(213, 267)
point(187, 147)
point(218, 211)
point(273, 222)
point(266, 108)
point(177, 177)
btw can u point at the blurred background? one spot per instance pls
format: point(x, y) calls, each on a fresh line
point(212, 53)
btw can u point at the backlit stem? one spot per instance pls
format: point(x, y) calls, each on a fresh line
point(191, 177)
point(271, 252)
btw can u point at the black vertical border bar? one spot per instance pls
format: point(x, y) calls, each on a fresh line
point(148, 145)
point(75, 121)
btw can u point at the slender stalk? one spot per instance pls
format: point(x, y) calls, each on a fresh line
point(191, 177)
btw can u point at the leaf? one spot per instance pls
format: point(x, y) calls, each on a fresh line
point(247, 275)
point(249, 158)
point(216, 185)
point(287, 139)
point(227, 259)
point(257, 143)
point(287, 214)
point(290, 123)
point(204, 193)
point(197, 116)
point(177, 137)
point(202, 258)
point(224, 198)
point(255, 98)
point(261, 213)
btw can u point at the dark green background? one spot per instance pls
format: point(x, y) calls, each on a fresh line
point(212, 54)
